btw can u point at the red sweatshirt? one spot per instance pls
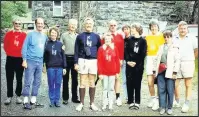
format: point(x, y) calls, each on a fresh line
point(13, 42)
point(108, 61)
point(119, 43)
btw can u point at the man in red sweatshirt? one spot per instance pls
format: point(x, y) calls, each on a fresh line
point(13, 42)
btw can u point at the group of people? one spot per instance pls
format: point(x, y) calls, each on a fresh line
point(168, 59)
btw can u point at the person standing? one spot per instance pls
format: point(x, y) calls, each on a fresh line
point(135, 52)
point(68, 39)
point(13, 42)
point(86, 47)
point(167, 55)
point(108, 64)
point(127, 31)
point(118, 40)
point(154, 41)
point(188, 47)
point(32, 54)
point(55, 61)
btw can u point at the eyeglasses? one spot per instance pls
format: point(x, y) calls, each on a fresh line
point(112, 25)
point(17, 23)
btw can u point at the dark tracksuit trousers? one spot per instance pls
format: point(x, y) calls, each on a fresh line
point(134, 78)
point(70, 67)
point(14, 66)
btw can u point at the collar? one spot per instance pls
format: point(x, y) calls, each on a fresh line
point(178, 36)
point(71, 33)
point(16, 31)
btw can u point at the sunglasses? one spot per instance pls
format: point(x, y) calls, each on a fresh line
point(17, 23)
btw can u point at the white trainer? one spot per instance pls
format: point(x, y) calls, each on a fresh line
point(155, 105)
point(176, 104)
point(79, 107)
point(119, 102)
point(18, 100)
point(93, 107)
point(185, 108)
point(151, 103)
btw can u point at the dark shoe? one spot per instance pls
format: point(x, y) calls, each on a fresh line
point(37, 105)
point(65, 102)
point(51, 105)
point(27, 106)
point(57, 104)
point(76, 101)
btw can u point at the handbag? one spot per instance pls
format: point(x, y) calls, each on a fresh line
point(162, 68)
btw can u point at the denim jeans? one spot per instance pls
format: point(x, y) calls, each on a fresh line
point(165, 90)
point(32, 72)
point(124, 79)
point(54, 84)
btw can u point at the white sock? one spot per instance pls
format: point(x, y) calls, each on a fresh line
point(25, 100)
point(33, 99)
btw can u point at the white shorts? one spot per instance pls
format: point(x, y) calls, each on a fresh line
point(87, 66)
point(149, 64)
point(187, 69)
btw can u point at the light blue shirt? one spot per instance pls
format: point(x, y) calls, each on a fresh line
point(186, 47)
point(33, 47)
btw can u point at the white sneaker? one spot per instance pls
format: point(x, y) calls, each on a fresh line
point(79, 107)
point(8, 101)
point(93, 107)
point(155, 105)
point(104, 107)
point(18, 100)
point(176, 104)
point(185, 108)
point(119, 102)
point(151, 103)
point(110, 106)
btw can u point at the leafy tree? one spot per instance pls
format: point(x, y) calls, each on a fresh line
point(9, 9)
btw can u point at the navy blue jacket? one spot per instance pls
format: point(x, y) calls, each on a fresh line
point(54, 54)
point(91, 40)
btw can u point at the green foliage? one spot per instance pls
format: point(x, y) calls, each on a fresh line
point(9, 9)
point(182, 11)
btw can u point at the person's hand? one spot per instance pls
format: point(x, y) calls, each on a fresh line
point(117, 76)
point(121, 62)
point(64, 71)
point(24, 64)
point(44, 69)
point(133, 64)
point(100, 77)
point(174, 76)
point(63, 47)
point(76, 67)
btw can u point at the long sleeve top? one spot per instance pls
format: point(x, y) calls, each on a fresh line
point(33, 47)
point(108, 61)
point(54, 54)
point(85, 39)
point(135, 50)
point(13, 42)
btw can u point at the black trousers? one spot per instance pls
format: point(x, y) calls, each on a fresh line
point(134, 79)
point(14, 66)
point(70, 67)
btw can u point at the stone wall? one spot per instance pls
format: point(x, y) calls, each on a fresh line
point(125, 12)
point(44, 9)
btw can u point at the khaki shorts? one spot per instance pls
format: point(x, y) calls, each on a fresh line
point(87, 66)
point(149, 64)
point(187, 69)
